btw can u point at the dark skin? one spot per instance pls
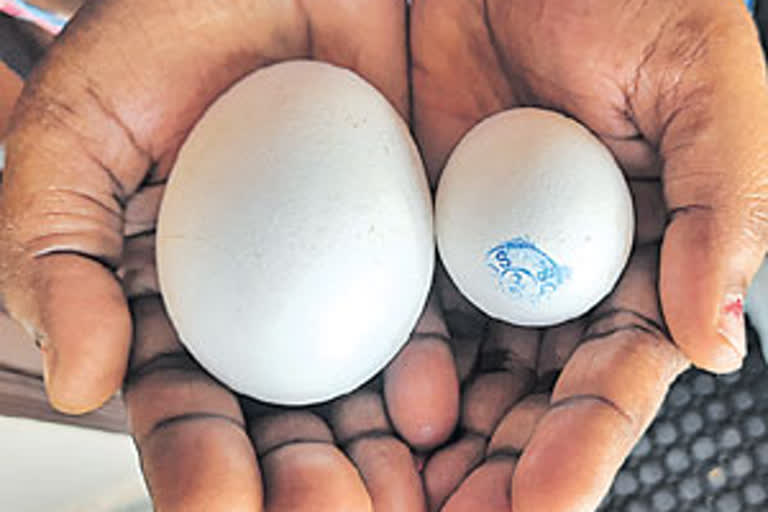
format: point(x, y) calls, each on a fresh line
point(667, 86)
point(473, 414)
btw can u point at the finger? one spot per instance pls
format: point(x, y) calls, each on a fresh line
point(711, 127)
point(448, 467)
point(282, 428)
point(486, 488)
point(83, 140)
point(362, 413)
point(422, 392)
point(515, 429)
point(189, 430)
point(312, 476)
point(390, 476)
point(606, 396)
point(282, 440)
point(560, 472)
point(385, 463)
point(78, 315)
point(421, 386)
point(303, 469)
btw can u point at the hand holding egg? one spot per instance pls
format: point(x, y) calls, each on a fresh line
point(100, 127)
point(552, 413)
point(89, 160)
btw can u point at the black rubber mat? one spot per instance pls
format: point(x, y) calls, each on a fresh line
point(706, 451)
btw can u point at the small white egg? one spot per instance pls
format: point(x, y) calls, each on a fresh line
point(294, 245)
point(534, 218)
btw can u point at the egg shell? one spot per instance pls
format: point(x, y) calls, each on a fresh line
point(295, 246)
point(534, 218)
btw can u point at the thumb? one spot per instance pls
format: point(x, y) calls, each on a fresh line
point(77, 313)
point(711, 127)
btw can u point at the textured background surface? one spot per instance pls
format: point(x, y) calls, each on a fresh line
point(706, 451)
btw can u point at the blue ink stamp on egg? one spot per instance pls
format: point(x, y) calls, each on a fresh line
point(525, 271)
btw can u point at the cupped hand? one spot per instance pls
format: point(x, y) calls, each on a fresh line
point(94, 139)
point(677, 91)
point(204, 449)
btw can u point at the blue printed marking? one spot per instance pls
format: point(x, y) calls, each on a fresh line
point(525, 271)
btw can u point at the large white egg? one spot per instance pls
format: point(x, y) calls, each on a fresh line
point(294, 245)
point(534, 218)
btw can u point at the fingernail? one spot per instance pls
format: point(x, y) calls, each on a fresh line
point(731, 324)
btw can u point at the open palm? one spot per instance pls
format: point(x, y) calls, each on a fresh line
point(106, 113)
point(548, 416)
